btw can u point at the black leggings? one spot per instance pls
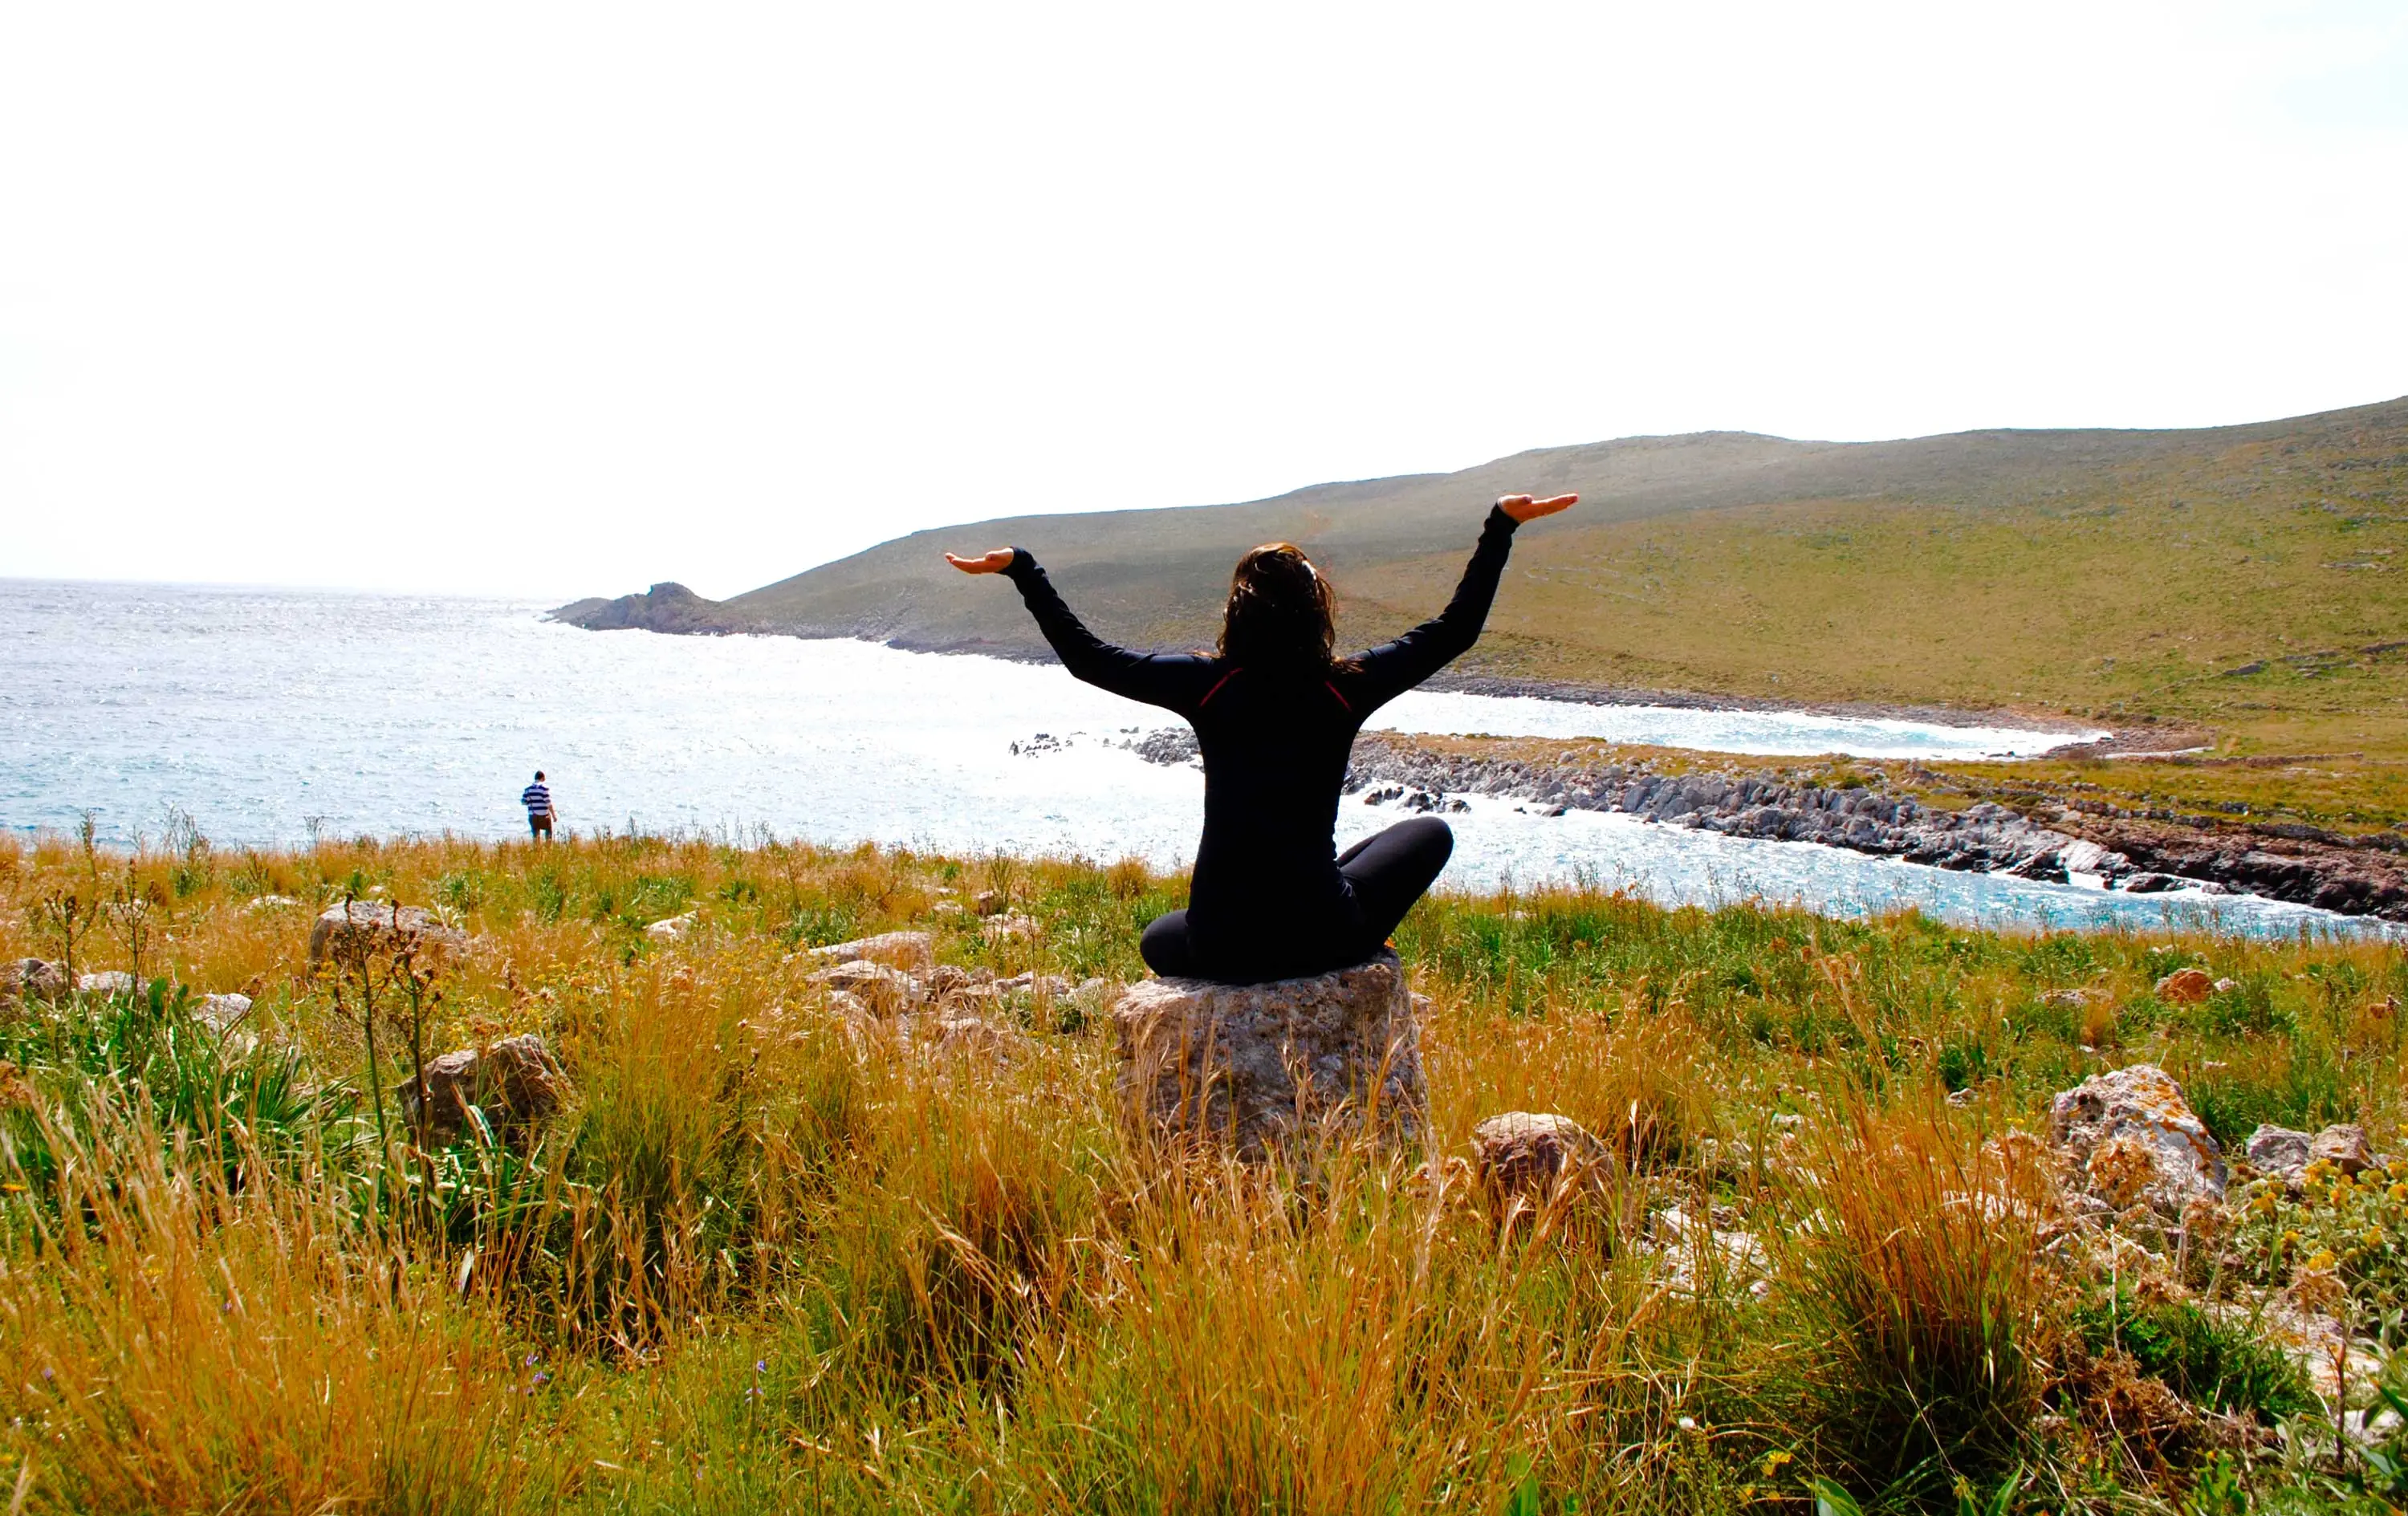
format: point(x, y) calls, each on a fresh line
point(1388, 870)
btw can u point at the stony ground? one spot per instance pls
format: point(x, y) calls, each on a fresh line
point(657, 1174)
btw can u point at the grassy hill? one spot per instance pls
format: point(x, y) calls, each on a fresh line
point(2241, 577)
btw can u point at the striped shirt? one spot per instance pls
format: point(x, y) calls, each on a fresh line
point(536, 799)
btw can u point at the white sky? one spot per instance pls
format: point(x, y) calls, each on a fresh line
point(562, 300)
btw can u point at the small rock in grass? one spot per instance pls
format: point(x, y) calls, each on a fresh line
point(2343, 1147)
point(2186, 987)
point(365, 927)
point(220, 1013)
point(900, 949)
point(109, 981)
point(1694, 1244)
point(33, 979)
point(512, 1084)
point(672, 929)
point(2279, 1151)
point(1527, 1157)
point(1047, 987)
point(1004, 928)
point(962, 1033)
point(885, 990)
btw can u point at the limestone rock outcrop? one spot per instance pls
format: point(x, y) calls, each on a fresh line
point(2132, 1137)
point(1263, 1067)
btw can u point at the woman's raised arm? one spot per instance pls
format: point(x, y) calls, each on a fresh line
point(1391, 668)
point(1171, 679)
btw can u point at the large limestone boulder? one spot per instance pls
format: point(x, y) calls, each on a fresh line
point(513, 1083)
point(2132, 1137)
point(1261, 1065)
point(379, 927)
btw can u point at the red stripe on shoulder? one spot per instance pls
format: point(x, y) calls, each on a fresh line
point(1216, 688)
point(1349, 705)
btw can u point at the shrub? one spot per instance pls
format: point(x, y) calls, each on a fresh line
point(2208, 1361)
point(2354, 1228)
point(1910, 1280)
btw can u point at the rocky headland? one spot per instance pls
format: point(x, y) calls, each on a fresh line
point(668, 607)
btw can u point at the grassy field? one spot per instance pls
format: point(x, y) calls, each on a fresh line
point(2277, 624)
point(764, 1262)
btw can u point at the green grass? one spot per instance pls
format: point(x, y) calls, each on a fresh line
point(760, 1263)
point(2237, 589)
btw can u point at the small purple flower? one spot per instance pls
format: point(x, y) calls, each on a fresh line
point(533, 1359)
point(760, 1366)
point(543, 1379)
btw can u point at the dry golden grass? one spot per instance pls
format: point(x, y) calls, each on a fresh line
point(764, 1262)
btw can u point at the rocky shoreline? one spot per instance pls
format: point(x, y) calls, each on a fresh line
point(2081, 843)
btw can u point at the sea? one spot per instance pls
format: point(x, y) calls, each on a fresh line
point(273, 717)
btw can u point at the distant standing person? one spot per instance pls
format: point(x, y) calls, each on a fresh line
point(536, 798)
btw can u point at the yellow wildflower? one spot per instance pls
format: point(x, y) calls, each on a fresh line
point(1772, 1461)
point(2320, 1260)
point(2372, 1236)
point(2291, 1238)
point(2398, 1194)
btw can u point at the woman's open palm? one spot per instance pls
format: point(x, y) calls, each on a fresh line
point(1522, 508)
point(991, 562)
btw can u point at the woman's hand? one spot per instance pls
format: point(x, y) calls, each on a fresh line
point(992, 562)
point(1522, 508)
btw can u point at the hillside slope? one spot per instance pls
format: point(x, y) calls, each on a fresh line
point(2120, 573)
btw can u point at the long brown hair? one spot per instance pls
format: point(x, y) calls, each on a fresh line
point(1282, 613)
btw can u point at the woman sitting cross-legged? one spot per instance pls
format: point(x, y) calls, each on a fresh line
point(1275, 717)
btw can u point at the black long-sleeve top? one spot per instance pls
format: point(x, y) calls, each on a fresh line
point(1275, 744)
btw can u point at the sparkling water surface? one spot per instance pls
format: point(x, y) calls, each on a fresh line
point(268, 713)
